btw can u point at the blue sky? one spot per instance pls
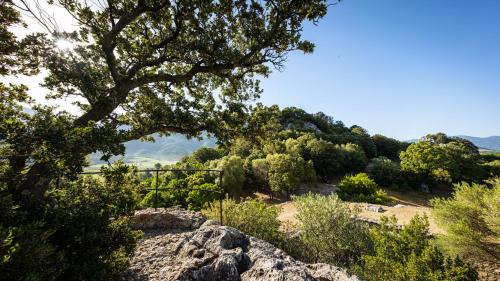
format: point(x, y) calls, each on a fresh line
point(400, 68)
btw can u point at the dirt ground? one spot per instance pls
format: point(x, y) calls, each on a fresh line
point(406, 205)
point(403, 213)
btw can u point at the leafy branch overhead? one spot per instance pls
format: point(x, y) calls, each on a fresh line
point(156, 66)
point(160, 62)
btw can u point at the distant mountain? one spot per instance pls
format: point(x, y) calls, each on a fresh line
point(164, 150)
point(484, 143)
point(488, 143)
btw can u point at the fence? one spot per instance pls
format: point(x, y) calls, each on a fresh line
point(156, 188)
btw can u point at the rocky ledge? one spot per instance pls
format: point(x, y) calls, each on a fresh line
point(183, 245)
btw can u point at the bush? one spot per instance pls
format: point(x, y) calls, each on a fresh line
point(251, 217)
point(260, 169)
point(360, 188)
point(233, 178)
point(353, 157)
point(329, 231)
point(408, 254)
point(471, 219)
point(197, 199)
point(384, 171)
point(287, 172)
point(175, 195)
point(81, 232)
point(90, 227)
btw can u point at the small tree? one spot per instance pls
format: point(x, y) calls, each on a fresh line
point(471, 219)
point(408, 254)
point(384, 171)
point(233, 177)
point(361, 188)
point(329, 229)
point(287, 172)
point(353, 157)
point(260, 170)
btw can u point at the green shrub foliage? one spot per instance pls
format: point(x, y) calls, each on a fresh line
point(471, 219)
point(329, 230)
point(82, 233)
point(233, 178)
point(408, 254)
point(250, 216)
point(439, 159)
point(361, 188)
point(286, 172)
point(384, 171)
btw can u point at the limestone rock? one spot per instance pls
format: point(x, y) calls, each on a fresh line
point(374, 208)
point(182, 245)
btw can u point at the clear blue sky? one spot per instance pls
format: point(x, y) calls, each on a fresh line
point(400, 68)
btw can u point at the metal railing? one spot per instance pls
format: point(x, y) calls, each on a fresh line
point(156, 188)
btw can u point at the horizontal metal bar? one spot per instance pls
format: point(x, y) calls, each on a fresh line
point(208, 190)
point(161, 170)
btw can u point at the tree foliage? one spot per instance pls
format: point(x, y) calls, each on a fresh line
point(384, 171)
point(361, 188)
point(434, 161)
point(329, 230)
point(471, 219)
point(286, 172)
point(408, 254)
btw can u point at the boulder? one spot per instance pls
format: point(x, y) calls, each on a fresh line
point(374, 208)
point(186, 246)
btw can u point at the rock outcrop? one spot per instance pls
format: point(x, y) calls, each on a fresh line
point(183, 245)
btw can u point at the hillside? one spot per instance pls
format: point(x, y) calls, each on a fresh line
point(164, 150)
point(486, 143)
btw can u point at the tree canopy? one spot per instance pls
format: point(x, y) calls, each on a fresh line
point(142, 67)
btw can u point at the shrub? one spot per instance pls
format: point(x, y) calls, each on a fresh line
point(170, 194)
point(329, 230)
point(471, 219)
point(353, 157)
point(196, 199)
point(205, 154)
point(251, 217)
point(260, 169)
point(287, 172)
point(233, 178)
point(90, 228)
point(384, 171)
point(408, 254)
point(360, 188)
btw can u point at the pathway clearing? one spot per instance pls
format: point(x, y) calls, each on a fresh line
point(403, 213)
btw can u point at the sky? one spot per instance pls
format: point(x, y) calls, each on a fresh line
point(400, 68)
point(395, 67)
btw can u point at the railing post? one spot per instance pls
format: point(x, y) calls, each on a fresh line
point(156, 190)
point(221, 196)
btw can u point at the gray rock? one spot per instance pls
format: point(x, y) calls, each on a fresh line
point(374, 208)
point(170, 218)
point(182, 245)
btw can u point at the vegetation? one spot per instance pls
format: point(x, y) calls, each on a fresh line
point(159, 67)
point(329, 230)
point(384, 171)
point(438, 158)
point(408, 254)
point(251, 217)
point(471, 219)
point(361, 188)
point(286, 172)
point(137, 68)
